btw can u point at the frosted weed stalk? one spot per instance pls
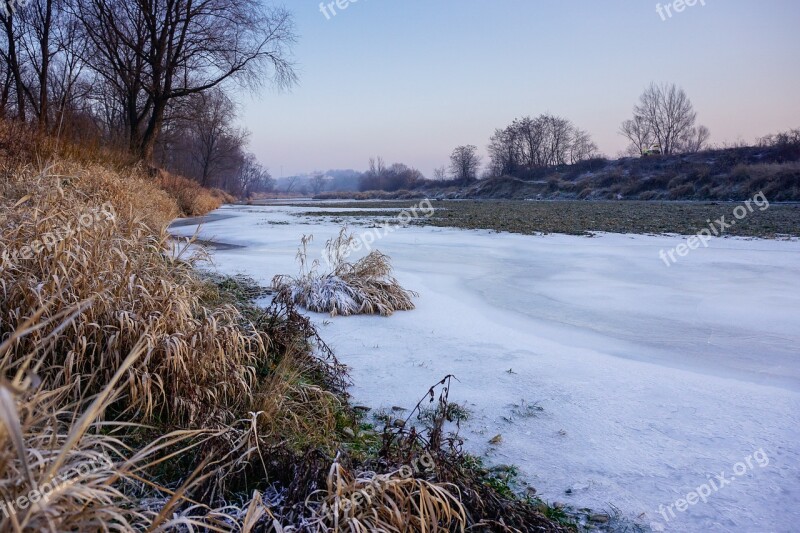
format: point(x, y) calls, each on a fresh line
point(364, 287)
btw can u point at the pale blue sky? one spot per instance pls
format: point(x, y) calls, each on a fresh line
point(411, 79)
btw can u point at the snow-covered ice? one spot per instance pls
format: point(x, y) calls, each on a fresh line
point(651, 379)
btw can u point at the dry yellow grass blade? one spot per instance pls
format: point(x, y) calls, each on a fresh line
point(10, 420)
point(94, 411)
point(256, 511)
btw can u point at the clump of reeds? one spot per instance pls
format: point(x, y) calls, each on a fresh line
point(364, 287)
point(394, 501)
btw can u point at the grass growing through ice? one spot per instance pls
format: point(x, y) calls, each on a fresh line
point(363, 287)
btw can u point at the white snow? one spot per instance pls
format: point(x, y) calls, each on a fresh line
point(652, 379)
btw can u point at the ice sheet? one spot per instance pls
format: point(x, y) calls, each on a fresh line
point(651, 379)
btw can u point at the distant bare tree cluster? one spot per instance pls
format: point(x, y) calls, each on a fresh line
point(396, 177)
point(665, 119)
point(534, 143)
point(440, 173)
point(465, 163)
point(150, 76)
point(784, 138)
point(787, 143)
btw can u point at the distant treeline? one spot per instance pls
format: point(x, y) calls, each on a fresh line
point(663, 123)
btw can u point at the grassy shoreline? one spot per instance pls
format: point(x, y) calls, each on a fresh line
point(584, 217)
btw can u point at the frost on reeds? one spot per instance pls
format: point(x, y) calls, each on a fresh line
point(394, 501)
point(363, 287)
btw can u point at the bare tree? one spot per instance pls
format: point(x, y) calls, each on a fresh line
point(376, 171)
point(217, 144)
point(375, 176)
point(291, 181)
point(637, 130)
point(376, 165)
point(465, 163)
point(506, 150)
point(12, 33)
point(398, 176)
point(253, 177)
point(558, 133)
point(158, 51)
point(695, 140)
point(531, 143)
point(70, 94)
point(317, 183)
point(39, 19)
point(581, 147)
point(440, 173)
point(41, 57)
point(668, 113)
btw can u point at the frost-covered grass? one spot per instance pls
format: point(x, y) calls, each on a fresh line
point(363, 287)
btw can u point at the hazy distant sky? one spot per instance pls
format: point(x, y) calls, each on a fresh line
point(411, 79)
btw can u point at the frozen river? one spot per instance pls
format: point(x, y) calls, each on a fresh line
point(654, 382)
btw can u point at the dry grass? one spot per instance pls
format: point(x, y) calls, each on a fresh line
point(138, 288)
point(363, 287)
point(22, 146)
point(393, 501)
point(52, 455)
point(89, 275)
point(290, 406)
point(63, 467)
point(193, 200)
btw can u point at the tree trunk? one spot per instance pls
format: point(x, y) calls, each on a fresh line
point(150, 136)
point(43, 73)
point(13, 65)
